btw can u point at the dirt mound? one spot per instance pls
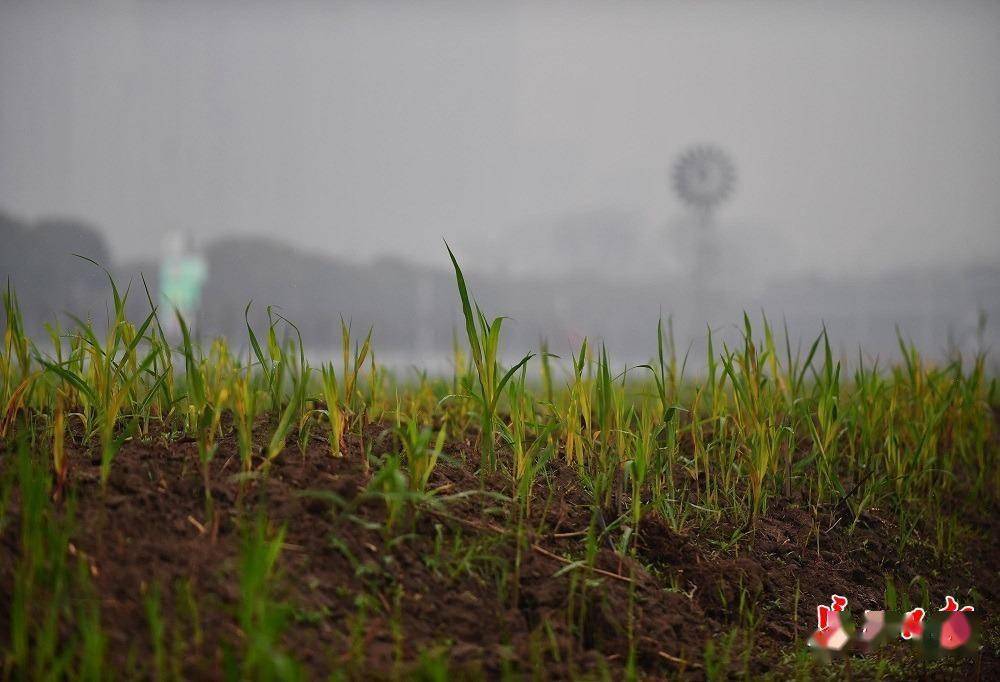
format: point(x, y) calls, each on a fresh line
point(373, 604)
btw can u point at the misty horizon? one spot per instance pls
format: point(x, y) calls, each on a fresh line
point(863, 140)
point(415, 313)
point(316, 157)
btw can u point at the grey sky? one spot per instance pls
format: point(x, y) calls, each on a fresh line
point(867, 135)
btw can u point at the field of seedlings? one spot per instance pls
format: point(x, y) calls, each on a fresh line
point(173, 510)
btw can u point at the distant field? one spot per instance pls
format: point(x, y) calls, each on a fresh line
point(177, 511)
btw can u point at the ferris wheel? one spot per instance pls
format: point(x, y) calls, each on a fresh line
point(704, 177)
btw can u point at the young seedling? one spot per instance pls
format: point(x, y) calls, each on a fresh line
point(262, 618)
point(245, 408)
point(334, 411)
point(107, 376)
point(205, 407)
point(279, 362)
point(484, 345)
point(421, 455)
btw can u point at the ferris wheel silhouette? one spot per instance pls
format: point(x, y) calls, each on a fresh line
point(704, 177)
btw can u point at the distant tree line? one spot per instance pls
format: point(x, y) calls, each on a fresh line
point(414, 309)
point(38, 260)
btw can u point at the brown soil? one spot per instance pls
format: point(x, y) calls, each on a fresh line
point(149, 527)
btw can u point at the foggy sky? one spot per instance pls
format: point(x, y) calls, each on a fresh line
point(866, 135)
